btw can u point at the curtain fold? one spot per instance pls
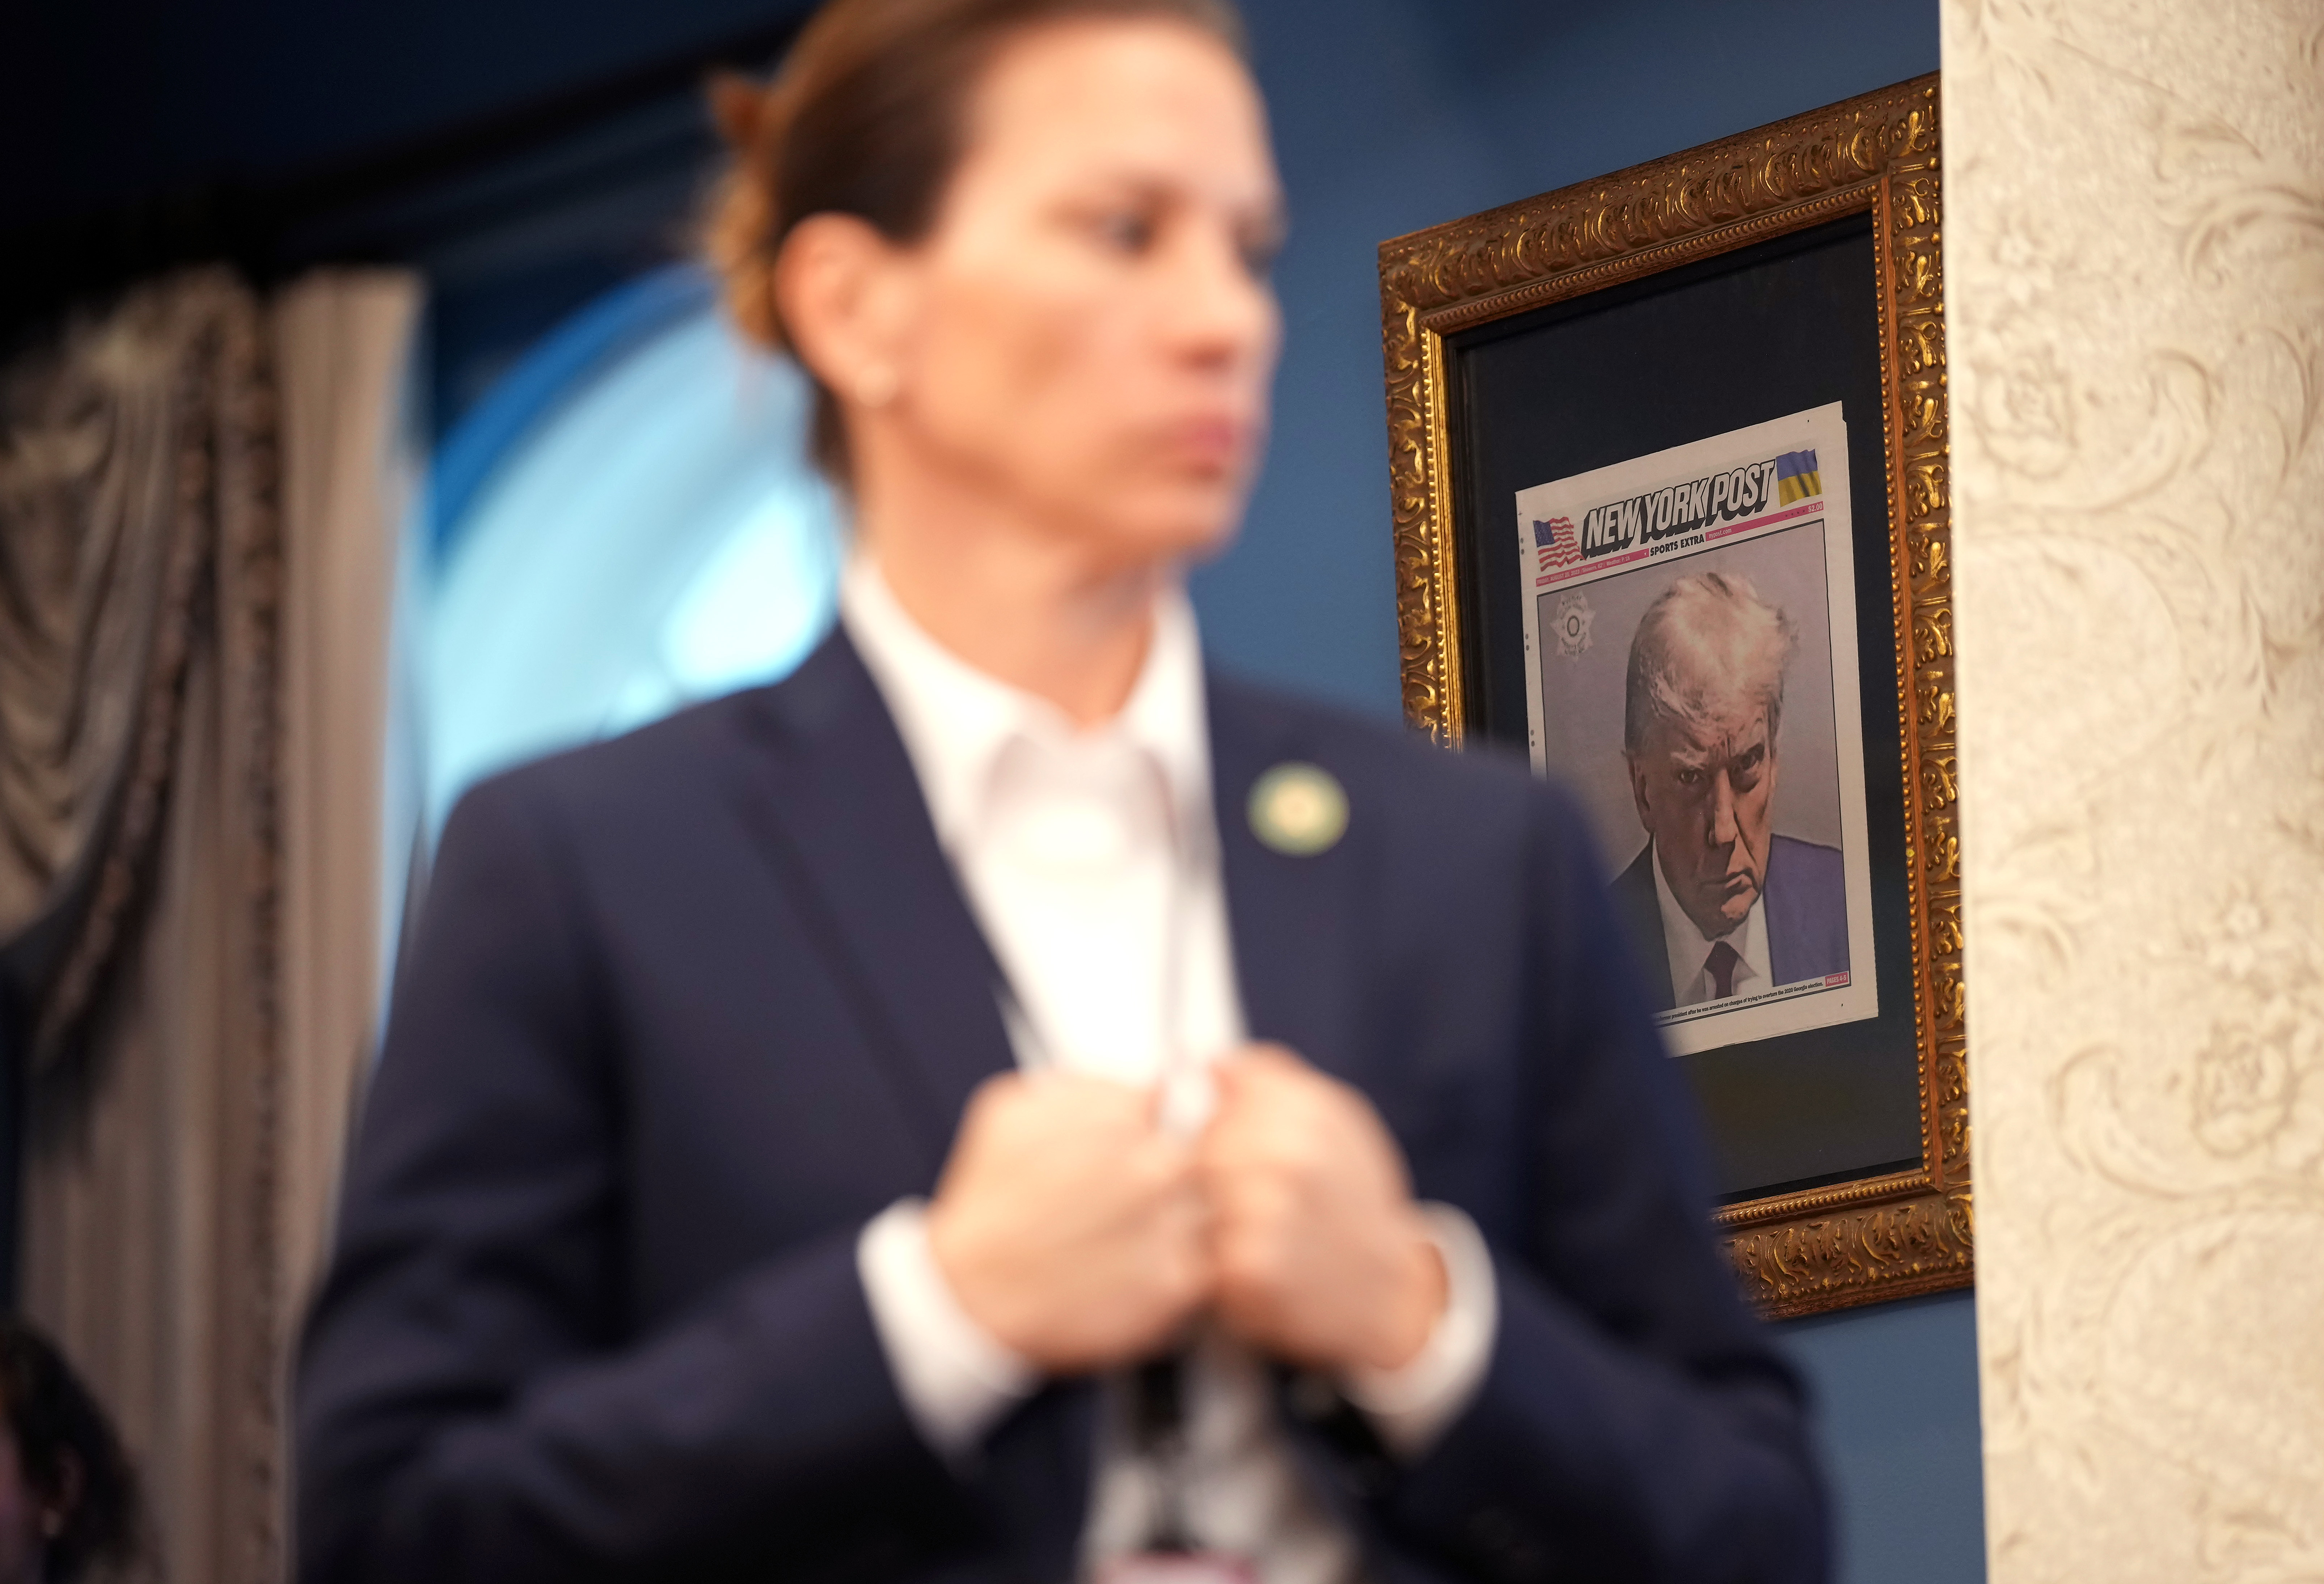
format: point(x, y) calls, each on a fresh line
point(342, 340)
point(197, 498)
point(128, 445)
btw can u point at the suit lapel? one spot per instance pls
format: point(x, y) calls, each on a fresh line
point(832, 796)
point(1641, 912)
point(1292, 917)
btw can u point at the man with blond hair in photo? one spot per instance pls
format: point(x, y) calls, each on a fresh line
point(1726, 905)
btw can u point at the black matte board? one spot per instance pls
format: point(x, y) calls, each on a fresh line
point(1738, 339)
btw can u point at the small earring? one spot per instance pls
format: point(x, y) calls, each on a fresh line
point(877, 387)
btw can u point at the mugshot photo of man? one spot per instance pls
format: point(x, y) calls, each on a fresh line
point(1737, 907)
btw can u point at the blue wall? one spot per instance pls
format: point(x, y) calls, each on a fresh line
point(1896, 1391)
point(1395, 115)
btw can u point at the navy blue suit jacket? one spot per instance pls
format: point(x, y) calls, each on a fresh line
point(1806, 892)
point(686, 1009)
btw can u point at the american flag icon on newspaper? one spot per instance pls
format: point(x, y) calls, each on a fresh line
point(1555, 543)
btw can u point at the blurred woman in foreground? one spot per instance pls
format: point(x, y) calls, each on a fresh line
point(1006, 1102)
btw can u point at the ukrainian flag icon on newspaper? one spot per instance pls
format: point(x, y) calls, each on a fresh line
point(1796, 477)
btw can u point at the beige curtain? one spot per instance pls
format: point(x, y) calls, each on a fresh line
point(196, 508)
point(341, 350)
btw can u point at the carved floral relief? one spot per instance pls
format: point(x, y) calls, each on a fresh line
point(2137, 333)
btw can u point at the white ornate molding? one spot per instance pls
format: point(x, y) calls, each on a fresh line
point(2136, 255)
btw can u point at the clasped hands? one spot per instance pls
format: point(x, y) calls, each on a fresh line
point(1082, 1235)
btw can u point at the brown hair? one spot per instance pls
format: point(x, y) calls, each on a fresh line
point(864, 119)
point(71, 1460)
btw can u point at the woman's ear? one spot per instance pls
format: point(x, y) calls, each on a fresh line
point(845, 293)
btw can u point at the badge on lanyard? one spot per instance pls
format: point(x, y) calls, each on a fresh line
point(1158, 1431)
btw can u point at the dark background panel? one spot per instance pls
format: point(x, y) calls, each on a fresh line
point(1752, 335)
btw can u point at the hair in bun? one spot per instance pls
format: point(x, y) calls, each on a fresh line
point(864, 117)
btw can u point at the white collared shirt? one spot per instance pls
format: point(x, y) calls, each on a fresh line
point(1090, 858)
point(1690, 949)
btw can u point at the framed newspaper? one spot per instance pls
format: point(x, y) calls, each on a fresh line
point(1667, 454)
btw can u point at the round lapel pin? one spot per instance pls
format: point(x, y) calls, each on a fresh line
point(1298, 809)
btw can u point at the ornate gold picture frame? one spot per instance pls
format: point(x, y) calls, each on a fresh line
point(1883, 1234)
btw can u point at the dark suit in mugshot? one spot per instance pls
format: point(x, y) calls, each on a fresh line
point(1806, 893)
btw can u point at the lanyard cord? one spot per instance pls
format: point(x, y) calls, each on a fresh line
point(1158, 1427)
point(1157, 1387)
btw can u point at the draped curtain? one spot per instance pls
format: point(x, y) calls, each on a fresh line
point(196, 527)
